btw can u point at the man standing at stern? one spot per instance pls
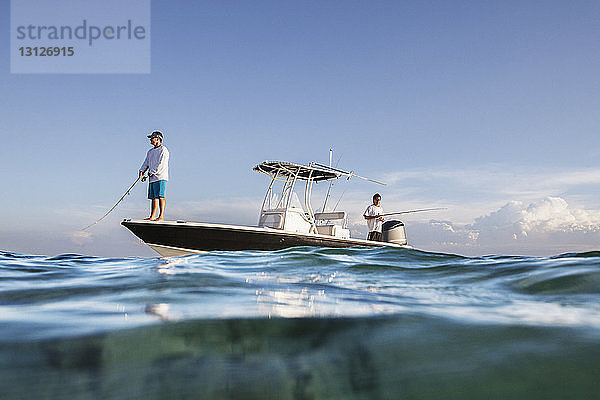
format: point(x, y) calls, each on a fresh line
point(157, 165)
point(374, 219)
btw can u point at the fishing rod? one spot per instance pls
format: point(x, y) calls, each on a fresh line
point(412, 211)
point(117, 203)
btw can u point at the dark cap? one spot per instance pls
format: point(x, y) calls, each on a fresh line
point(157, 134)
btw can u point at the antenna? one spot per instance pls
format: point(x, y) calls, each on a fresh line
point(330, 183)
point(348, 174)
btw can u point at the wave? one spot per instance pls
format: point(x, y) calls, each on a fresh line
point(78, 294)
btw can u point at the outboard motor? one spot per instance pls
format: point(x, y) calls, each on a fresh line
point(394, 232)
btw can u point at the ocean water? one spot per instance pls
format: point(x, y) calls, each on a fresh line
point(301, 323)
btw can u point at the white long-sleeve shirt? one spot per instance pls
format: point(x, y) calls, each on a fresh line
point(157, 164)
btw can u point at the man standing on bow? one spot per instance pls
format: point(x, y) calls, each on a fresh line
point(374, 219)
point(157, 165)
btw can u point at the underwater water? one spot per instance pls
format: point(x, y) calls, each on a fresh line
point(300, 323)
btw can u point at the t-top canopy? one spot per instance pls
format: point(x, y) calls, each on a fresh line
point(285, 170)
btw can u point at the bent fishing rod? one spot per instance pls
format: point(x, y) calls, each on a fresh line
point(117, 203)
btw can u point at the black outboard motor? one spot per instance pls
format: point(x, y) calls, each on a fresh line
point(394, 232)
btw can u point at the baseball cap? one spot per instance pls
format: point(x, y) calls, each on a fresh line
point(157, 134)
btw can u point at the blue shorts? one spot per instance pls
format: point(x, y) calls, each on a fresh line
point(157, 189)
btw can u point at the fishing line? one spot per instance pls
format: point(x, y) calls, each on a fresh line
point(116, 204)
point(340, 199)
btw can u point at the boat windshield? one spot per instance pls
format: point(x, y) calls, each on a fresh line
point(273, 202)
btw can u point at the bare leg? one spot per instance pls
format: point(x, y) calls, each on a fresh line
point(153, 210)
point(163, 203)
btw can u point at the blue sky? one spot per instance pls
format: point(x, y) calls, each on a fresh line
point(466, 104)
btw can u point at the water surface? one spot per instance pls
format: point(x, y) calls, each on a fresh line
point(301, 323)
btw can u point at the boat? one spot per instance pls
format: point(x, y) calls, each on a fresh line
point(283, 221)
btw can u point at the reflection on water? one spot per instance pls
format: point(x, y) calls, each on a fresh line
point(160, 310)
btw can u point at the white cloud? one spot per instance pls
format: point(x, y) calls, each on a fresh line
point(544, 226)
point(580, 177)
point(551, 214)
point(495, 181)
